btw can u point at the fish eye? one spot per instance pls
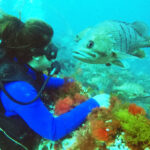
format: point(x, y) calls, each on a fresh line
point(90, 44)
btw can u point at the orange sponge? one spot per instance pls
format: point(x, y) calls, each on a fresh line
point(98, 130)
point(63, 106)
point(134, 109)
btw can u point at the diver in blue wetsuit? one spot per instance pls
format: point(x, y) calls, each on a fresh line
point(25, 51)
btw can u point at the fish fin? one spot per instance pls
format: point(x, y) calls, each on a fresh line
point(118, 63)
point(144, 43)
point(108, 64)
point(121, 63)
point(114, 54)
point(139, 53)
point(141, 28)
point(121, 55)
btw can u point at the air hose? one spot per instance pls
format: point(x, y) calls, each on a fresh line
point(55, 69)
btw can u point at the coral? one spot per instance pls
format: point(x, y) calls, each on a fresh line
point(63, 106)
point(50, 95)
point(102, 121)
point(117, 104)
point(84, 140)
point(98, 130)
point(114, 128)
point(87, 143)
point(114, 100)
point(134, 109)
point(136, 128)
point(70, 89)
point(78, 98)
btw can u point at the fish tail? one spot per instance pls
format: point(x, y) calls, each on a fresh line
point(148, 41)
point(145, 43)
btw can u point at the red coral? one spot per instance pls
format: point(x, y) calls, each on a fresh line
point(114, 128)
point(134, 109)
point(100, 134)
point(98, 130)
point(114, 100)
point(70, 88)
point(63, 106)
point(78, 98)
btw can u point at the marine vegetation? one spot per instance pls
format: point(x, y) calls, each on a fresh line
point(136, 127)
point(64, 105)
point(103, 126)
point(134, 109)
point(121, 126)
point(70, 89)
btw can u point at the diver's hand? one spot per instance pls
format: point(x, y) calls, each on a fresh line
point(68, 80)
point(103, 100)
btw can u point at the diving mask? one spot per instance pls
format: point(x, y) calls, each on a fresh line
point(50, 51)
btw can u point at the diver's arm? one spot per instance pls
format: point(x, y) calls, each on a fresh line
point(55, 82)
point(37, 116)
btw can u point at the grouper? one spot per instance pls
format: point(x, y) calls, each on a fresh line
point(111, 41)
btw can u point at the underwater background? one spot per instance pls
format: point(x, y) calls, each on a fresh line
point(131, 84)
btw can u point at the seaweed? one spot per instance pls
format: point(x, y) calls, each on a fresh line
point(136, 128)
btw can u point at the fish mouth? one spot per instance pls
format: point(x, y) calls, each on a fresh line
point(84, 55)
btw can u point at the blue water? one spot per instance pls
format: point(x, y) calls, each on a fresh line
point(68, 17)
point(75, 15)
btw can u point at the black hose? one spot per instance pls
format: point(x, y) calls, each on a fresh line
point(24, 103)
point(55, 69)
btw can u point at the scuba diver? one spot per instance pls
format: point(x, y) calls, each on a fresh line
point(25, 51)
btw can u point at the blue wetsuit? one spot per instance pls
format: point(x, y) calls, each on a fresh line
point(37, 116)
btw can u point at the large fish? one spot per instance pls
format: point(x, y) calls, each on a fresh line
point(111, 41)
